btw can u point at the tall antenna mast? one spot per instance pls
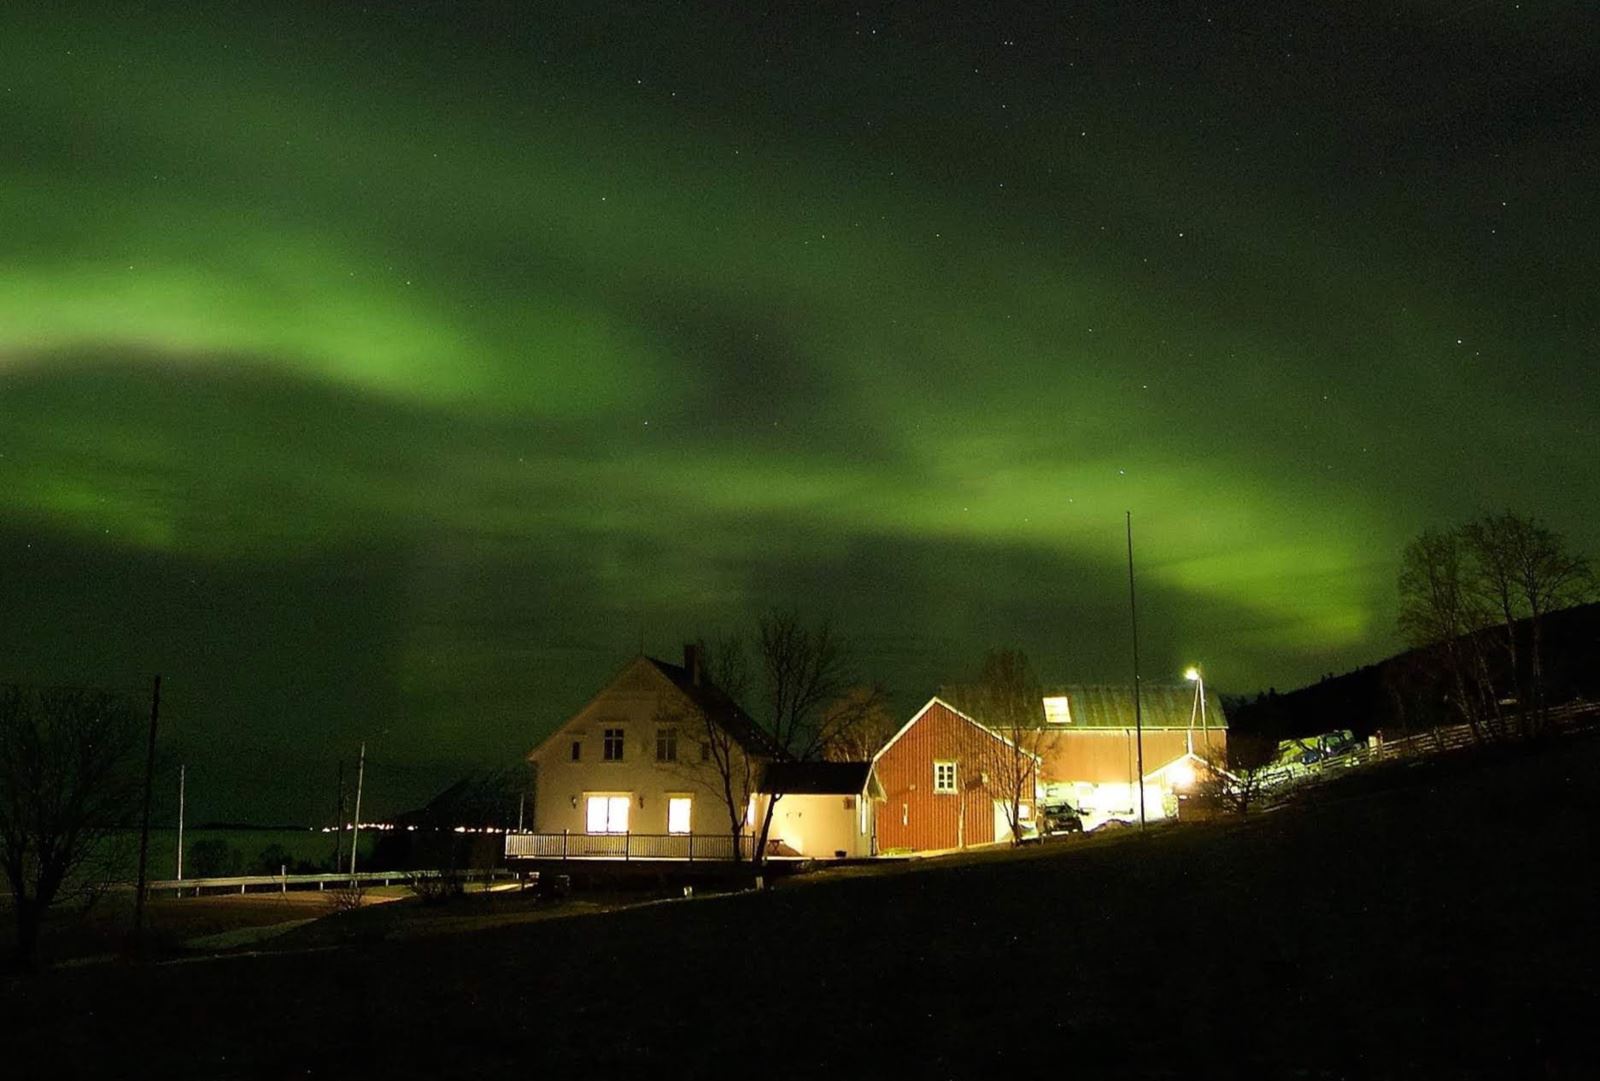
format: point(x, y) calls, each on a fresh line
point(1138, 711)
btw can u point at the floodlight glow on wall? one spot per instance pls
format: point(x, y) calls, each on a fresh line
point(1181, 775)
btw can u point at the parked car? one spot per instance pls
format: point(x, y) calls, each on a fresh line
point(1060, 818)
point(1328, 747)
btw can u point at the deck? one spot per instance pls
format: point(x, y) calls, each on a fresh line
point(628, 847)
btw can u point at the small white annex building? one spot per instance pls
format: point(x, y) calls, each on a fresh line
point(824, 809)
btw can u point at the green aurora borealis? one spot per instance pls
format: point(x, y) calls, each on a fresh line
point(387, 375)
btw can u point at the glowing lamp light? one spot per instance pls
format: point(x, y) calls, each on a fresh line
point(1192, 674)
point(1182, 774)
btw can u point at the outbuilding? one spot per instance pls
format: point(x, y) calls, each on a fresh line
point(822, 809)
point(942, 779)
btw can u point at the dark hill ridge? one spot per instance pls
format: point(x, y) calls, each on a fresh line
point(481, 798)
point(1392, 695)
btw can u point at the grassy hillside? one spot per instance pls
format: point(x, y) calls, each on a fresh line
point(1431, 919)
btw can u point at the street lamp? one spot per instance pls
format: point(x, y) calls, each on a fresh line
point(1192, 674)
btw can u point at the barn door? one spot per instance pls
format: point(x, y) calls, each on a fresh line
point(1002, 822)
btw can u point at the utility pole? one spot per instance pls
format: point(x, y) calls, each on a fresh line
point(1138, 714)
point(180, 820)
point(338, 821)
point(355, 825)
point(144, 827)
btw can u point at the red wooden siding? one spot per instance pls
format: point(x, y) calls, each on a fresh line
point(1109, 756)
point(912, 815)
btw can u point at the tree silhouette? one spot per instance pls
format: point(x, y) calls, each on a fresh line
point(65, 786)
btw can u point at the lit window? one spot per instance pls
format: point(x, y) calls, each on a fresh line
point(613, 745)
point(679, 810)
point(944, 777)
point(577, 750)
point(666, 744)
point(1057, 711)
point(608, 814)
point(1024, 812)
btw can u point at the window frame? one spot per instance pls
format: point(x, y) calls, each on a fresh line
point(667, 743)
point(676, 798)
point(612, 802)
point(613, 739)
point(945, 777)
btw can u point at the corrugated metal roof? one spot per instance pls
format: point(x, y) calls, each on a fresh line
point(1161, 705)
point(1104, 705)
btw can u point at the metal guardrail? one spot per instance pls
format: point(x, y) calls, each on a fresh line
point(329, 880)
point(688, 847)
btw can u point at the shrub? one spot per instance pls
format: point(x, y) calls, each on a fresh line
point(346, 896)
point(435, 887)
point(212, 857)
point(271, 860)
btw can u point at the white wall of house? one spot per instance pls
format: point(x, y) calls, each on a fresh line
point(624, 771)
point(825, 826)
point(1002, 819)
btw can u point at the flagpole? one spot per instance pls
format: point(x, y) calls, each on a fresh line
point(1138, 713)
point(181, 771)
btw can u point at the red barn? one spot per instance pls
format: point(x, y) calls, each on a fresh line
point(943, 783)
point(1090, 744)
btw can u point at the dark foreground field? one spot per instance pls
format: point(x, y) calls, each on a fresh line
point(1443, 924)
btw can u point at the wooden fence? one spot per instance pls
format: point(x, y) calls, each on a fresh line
point(1571, 718)
point(1561, 720)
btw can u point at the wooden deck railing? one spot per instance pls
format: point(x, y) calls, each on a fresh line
point(625, 846)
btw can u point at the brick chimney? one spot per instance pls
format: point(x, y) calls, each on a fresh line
point(691, 662)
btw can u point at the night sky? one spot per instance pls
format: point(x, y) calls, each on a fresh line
point(389, 374)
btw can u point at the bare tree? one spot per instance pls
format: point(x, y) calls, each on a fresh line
point(1523, 571)
point(1552, 577)
point(802, 691)
point(860, 724)
point(1485, 588)
point(1440, 611)
point(65, 786)
point(1007, 701)
point(726, 768)
point(808, 706)
point(1493, 544)
point(1232, 786)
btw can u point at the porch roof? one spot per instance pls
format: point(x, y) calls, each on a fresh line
point(820, 779)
